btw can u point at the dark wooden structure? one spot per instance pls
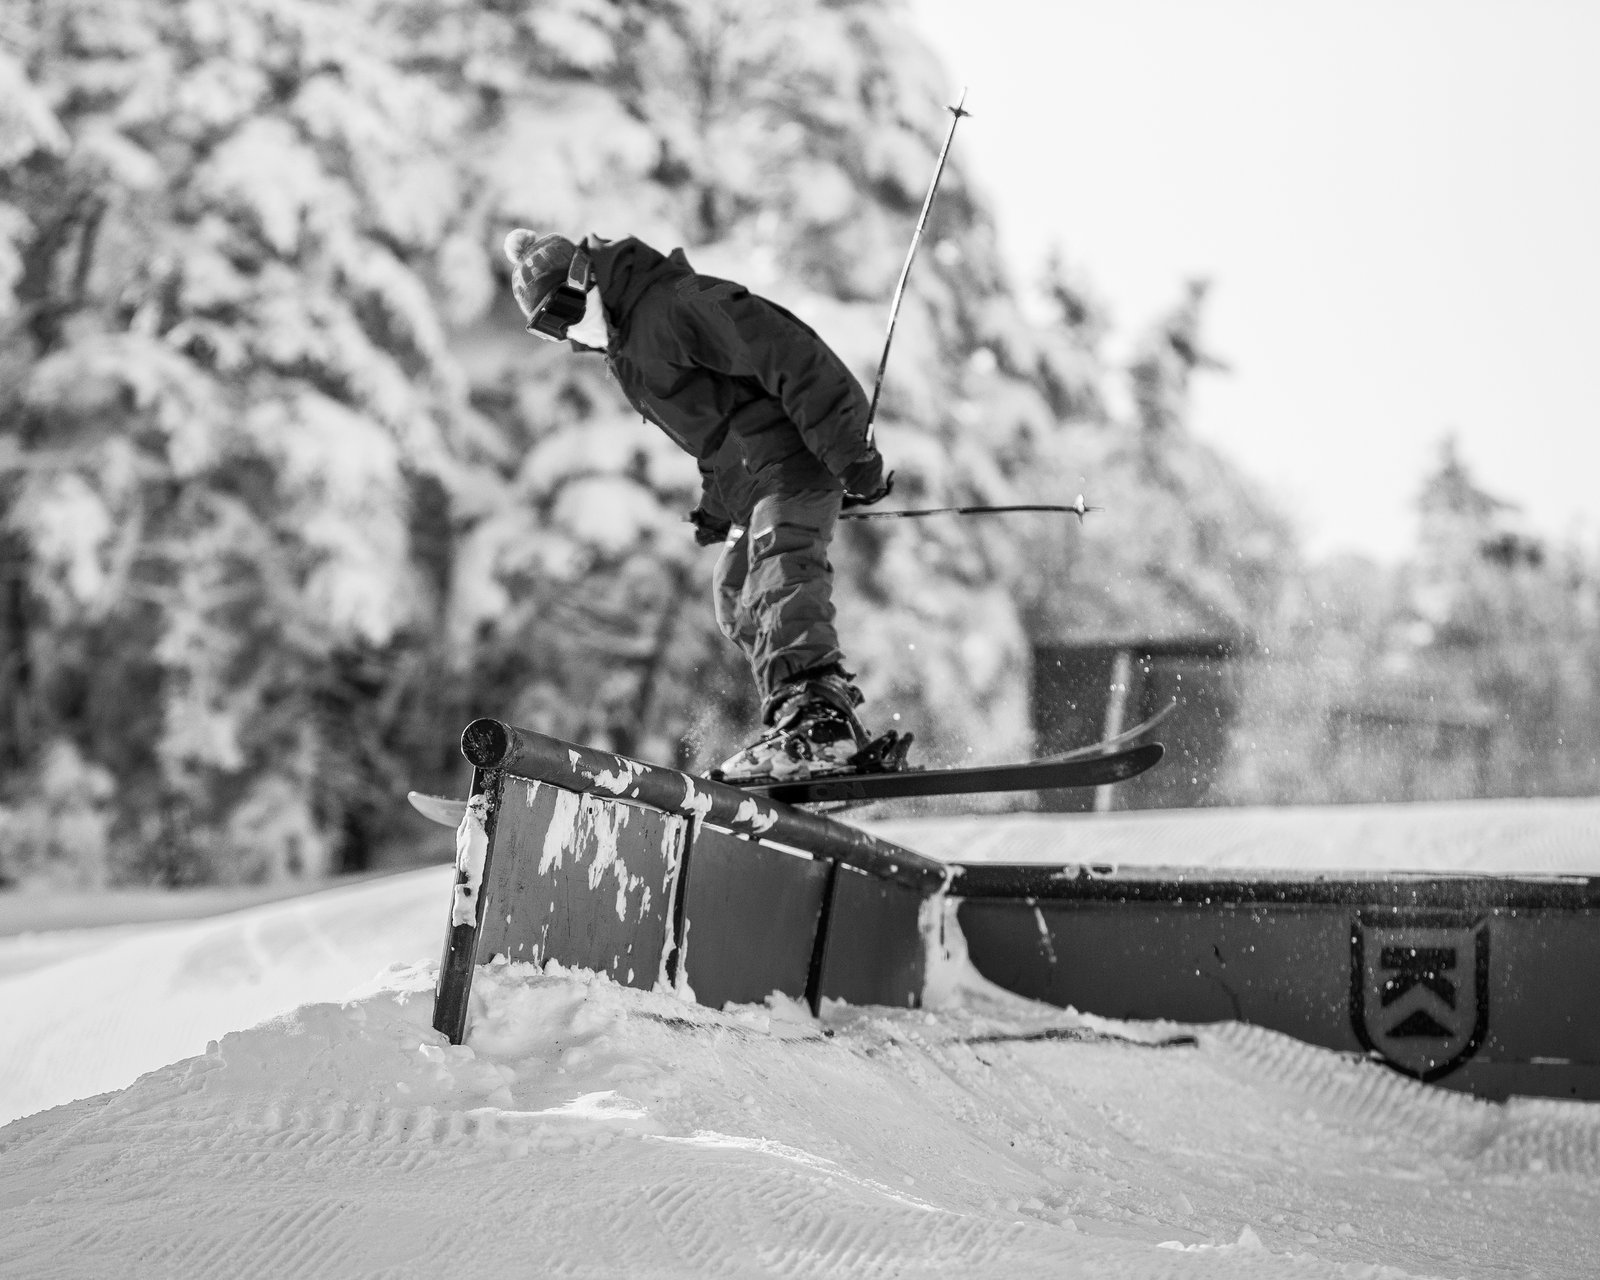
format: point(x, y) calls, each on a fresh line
point(1090, 689)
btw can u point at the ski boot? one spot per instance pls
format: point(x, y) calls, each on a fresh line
point(814, 732)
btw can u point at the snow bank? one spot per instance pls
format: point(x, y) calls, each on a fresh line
point(591, 1130)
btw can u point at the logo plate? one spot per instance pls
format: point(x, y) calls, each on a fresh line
point(1419, 989)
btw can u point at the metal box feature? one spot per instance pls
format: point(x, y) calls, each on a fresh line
point(1466, 983)
point(655, 877)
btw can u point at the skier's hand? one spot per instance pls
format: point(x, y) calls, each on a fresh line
point(708, 529)
point(867, 499)
point(863, 479)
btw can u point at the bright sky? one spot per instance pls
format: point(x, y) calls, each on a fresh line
point(1397, 201)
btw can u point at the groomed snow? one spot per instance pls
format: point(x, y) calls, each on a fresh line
point(592, 1130)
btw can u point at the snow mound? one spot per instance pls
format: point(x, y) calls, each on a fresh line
point(605, 1132)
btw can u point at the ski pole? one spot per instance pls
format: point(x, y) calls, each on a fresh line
point(956, 113)
point(1076, 509)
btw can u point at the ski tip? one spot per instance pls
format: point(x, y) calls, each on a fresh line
point(441, 809)
point(1160, 716)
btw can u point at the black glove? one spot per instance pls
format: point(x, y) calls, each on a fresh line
point(853, 499)
point(708, 529)
point(864, 477)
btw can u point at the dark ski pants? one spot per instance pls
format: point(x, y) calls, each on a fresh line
point(773, 588)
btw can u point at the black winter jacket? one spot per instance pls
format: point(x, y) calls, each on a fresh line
point(746, 387)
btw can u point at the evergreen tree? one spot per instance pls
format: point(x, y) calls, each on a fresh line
point(1187, 546)
point(1503, 622)
point(232, 389)
point(1469, 669)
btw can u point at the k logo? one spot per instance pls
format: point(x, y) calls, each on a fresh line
point(1419, 989)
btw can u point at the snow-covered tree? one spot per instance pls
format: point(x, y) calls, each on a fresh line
point(1499, 617)
point(228, 386)
point(1469, 668)
point(1187, 545)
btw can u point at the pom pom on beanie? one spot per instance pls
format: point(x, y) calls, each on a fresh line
point(518, 243)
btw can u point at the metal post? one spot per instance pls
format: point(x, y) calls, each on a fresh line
point(1116, 712)
point(819, 950)
point(454, 990)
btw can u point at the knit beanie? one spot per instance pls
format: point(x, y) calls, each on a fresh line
point(538, 264)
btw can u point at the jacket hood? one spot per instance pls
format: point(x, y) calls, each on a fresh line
point(627, 269)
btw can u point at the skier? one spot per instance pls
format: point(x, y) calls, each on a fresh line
point(780, 429)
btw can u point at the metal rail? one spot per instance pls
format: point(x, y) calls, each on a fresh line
point(1208, 887)
point(493, 745)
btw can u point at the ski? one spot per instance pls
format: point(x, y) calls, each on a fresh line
point(887, 753)
point(1050, 774)
point(1032, 775)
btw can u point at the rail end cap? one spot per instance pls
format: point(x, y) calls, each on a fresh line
point(487, 744)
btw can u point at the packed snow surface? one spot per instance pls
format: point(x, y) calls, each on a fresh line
point(591, 1130)
point(587, 1129)
point(1484, 837)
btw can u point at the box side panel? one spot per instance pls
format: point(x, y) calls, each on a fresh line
point(526, 810)
point(751, 914)
point(873, 952)
point(1545, 986)
point(1285, 968)
point(1492, 1002)
point(583, 880)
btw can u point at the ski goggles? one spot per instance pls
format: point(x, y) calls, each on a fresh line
point(563, 306)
